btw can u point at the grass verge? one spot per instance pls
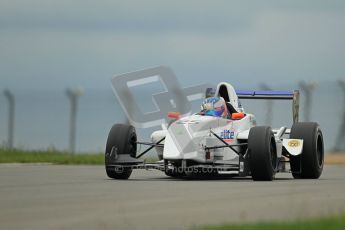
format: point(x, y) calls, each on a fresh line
point(55, 157)
point(330, 223)
point(337, 158)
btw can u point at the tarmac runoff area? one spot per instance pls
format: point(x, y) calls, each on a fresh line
point(82, 197)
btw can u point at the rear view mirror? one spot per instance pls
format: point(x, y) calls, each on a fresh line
point(174, 115)
point(237, 116)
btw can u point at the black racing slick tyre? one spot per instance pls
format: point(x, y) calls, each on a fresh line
point(309, 164)
point(121, 139)
point(263, 153)
point(172, 173)
point(175, 172)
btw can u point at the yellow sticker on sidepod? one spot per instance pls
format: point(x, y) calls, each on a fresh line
point(294, 143)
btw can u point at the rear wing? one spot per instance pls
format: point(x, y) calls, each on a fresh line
point(273, 95)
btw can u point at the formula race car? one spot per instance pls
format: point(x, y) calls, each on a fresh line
point(222, 139)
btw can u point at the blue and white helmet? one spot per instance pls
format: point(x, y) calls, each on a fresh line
point(214, 106)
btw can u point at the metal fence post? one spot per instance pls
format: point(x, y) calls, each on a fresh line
point(73, 95)
point(340, 142)
point(269, 105)
point(308, 90)
point(11, 117)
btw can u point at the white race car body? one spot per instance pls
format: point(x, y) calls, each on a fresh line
point(234, 145)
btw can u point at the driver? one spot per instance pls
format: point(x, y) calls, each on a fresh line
point(214, 106)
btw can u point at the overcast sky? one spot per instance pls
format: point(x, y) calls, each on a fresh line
point(49, 44)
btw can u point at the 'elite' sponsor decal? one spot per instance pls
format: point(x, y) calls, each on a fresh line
point(227, 135)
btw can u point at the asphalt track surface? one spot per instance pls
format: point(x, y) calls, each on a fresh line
point(81, 197)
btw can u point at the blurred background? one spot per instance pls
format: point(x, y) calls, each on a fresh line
point(54, 54)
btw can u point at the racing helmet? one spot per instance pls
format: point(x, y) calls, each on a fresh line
point(214, 106)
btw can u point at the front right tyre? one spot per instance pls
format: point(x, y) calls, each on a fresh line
point(309, 164)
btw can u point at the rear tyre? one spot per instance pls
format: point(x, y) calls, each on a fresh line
point(175, 172)
point(309, 164)
point(263, 153)
point(122, 140)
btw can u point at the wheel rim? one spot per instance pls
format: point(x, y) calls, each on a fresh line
point(319, 149)
point(133, 144)
point(273, 154)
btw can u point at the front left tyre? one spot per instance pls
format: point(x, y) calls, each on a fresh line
point(121, 140)
point(263, 153)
